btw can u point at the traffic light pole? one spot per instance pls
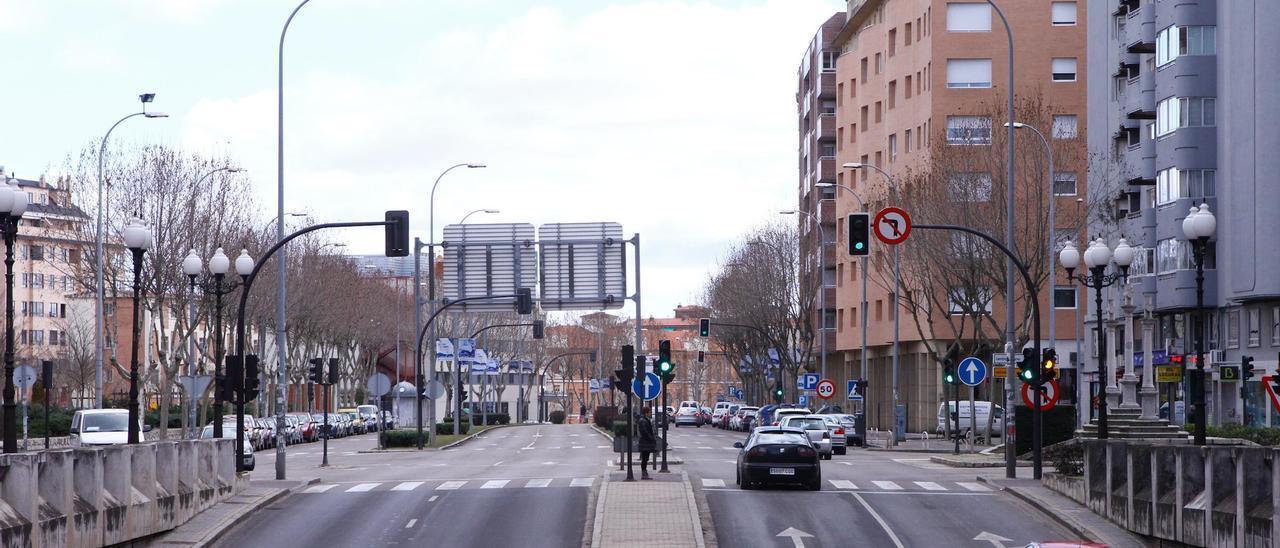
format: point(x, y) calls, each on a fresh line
point(666, 379)
point(324, 461)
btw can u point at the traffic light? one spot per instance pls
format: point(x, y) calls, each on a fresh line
point(777, 393)
point(949, 374)
point(1027, 369)
point(702, 356)
point(1049, 369)
point(315, 372)
point(859, 234)
point(641, 362)
point(664, 364)
point(524, 301)
point(704, 327)
point(397, 233)
point(1246, 367)
point(949, 364)
point(333, 370)
point(234, 374)
point(251, 372)
point(860, 387)
point(539, 329)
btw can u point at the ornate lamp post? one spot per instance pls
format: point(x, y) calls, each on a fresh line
point(1096, 258)
point(219, 264)
point(13, 203)
point(244, 267)
point(1198, 227)
point(137, 237)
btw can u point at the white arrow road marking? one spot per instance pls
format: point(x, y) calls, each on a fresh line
point(796, 535)
point(995, 540)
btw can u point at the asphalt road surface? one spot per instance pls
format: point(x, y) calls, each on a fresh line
point(515, 486)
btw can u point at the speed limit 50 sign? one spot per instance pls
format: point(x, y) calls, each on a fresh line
point(826, 388)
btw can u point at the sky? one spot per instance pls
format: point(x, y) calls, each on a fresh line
point(676, 119)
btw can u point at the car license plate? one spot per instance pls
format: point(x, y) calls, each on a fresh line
point(782, 471)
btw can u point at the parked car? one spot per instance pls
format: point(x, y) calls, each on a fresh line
point(750, 420)
point(736, 423)
point(778, 455)
point(815, 427)
point(268, 425)
point(850, 424)
point(101, 427)
point(369, 416)
point(789, 412)
point(839, 441)
point(719, 412)
point(981, 410)
point(307, 428)
point(292, 431)
point(230, 433)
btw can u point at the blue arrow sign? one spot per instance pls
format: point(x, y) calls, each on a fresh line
point(648, 387)
point(972, 371)
point(809, 381)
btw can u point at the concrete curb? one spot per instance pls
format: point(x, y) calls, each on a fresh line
point(693, 505)
point(597, 526)
point(671, 459)
point(472, 436)
point(966, 464)
point(221, 527)
point(1063, 520)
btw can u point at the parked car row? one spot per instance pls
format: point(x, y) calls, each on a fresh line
point(309, 427)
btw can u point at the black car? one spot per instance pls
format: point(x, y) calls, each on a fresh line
point(778, 455)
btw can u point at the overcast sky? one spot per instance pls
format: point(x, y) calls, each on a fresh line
point(675, 118)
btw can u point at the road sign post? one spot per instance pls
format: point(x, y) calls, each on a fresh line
point(973, 371)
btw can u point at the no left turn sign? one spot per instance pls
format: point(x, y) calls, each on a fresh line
point(891, 225)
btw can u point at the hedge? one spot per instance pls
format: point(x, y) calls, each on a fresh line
point(402, 438)
point(1067, 457)
point(1260, 435)
point(492, 418)
point(605, 415)
point(557, 417)
point(446, 427)
point(1059, 425)
point(619, 427)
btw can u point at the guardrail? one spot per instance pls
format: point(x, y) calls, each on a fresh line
point(107, 495)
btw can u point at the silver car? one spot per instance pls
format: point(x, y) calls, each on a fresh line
point(688, 416)
point(816, 428)
point(839, 439)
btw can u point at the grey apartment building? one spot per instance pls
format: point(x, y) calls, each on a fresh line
point(1183, 102)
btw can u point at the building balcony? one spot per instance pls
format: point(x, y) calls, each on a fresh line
point(827, 127)
point(826, 169)
point(826, 85)
point(827, 215)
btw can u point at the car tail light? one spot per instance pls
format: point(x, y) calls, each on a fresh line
point(839, 431)
point(756, 452)
point(806, 451)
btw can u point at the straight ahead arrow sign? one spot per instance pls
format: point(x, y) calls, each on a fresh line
point(796, 536)
point(995, 540)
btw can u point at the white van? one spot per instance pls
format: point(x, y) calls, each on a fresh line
point(718, 412)
point(101, 427)
point(982, 409)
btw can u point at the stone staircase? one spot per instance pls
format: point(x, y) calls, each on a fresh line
point(1125, 424)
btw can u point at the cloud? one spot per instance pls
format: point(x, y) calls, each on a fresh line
point(79, 54)
point(19, 14)
point(675, 119)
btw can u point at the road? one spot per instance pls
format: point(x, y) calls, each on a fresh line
point(868, 498)
point(515, 486)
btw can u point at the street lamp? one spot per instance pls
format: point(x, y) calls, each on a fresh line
point(219, 264)
point(822, 282)
point(137, 237)
point(1048, 151)
point(97, 319)
point(1096, 258)
point(1198, 226)
point(464, 217)
point(13, 203)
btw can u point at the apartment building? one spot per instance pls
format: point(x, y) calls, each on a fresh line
point(914, 81)
point(1182, 106)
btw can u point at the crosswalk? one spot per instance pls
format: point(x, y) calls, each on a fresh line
point(883, 486)
point(449, 485)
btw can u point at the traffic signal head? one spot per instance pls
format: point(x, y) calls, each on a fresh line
point(859, 234)
point(641, 362)
point(234, 371)
point(704, 327)
point(1246, 367)
point(628, 355)
point(333, 370)
point(949, 374)
point(251, 372)
point(702, 356)
point(777, 393)
point(539, 329)
point(315, 372)
point(664, 364)
point(397, 233)
point(1027, 369)
point(1049, 368)
point(524, 301)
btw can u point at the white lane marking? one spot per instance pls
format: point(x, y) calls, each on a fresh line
point(579, 447)
point(582, 482)
point(407, 486)
point(363, 487)
point(538, 483)
point(319, 488)
point(549, 462)
point(846, 463)
point(602, 447)
point(973, 486)
point(708, 482)
point(494, 484)
point(349, 453)
point(410, 524)
point(888, 485)
point(478, 449)
point(879, 520)
point(703, 447)
point(556, 447)
point(678, 447)
point(450, 485)
point(573, 435)
point(499, 462)
point(930, 486)
point(433, 498)
point(843, 484)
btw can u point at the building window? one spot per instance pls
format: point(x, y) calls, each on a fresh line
point(1064, 69)
point(1174, 254)
point(879, 63)
point(969, 187)
point(828, 150)
point(1064, 126)
point(1233, 329)
point(1064, 296)
point(829, 61)
point(1177, 112)
point(893, 42)
point(969, 17)
point(968, 73)
point(906, 34)
point(865, 118)
point(906, 137)
point(1062, 13)
point(864, 69)
point(879, 111)
point(840, 320)
point(1064, 183)
point(893, 147)
point(893, 94)
point(969, 300)
point(37, 337)
point(37, 253)
point(1173, 184)
point(968, 130)
point(1144, 258)
point(907, 91)
point(1275, 326)
point(1174, 41)
point(1254, 316)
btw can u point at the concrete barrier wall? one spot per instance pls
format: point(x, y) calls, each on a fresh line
point(89, 497)
point(1201, 496)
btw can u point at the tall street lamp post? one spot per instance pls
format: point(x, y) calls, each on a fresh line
point(1096, 258)
point(97, 319)
point(219, 264)
point(822, 284)
point(137, 237)
point(1048, 152)
point(13, 203)
point(1198, 226)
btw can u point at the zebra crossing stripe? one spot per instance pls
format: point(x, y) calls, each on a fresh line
point(363, 487)
point(843, 484)
point(707, 482)
point(407, 486)
point(930, 486)
point(494, 484)
point(973, 486)
point(888, 485)
point(538, 483)
point(582, 482)
point(450, 485)
point(319, 488)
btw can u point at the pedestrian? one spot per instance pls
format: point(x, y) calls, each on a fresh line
point(648, 442)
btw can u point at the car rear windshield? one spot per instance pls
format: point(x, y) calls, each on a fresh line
point(808, 424)
point(780, 437)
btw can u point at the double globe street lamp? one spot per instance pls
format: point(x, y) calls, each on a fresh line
point(1096, 258)
point(219, 264)
point(137, 237)
point(1198, 226)
point(13, 203)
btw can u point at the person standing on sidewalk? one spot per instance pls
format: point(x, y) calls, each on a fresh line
point(648, 441)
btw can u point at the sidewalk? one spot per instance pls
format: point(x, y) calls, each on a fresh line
point(1078, 519)
point(666, 500)
point(210, 524)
